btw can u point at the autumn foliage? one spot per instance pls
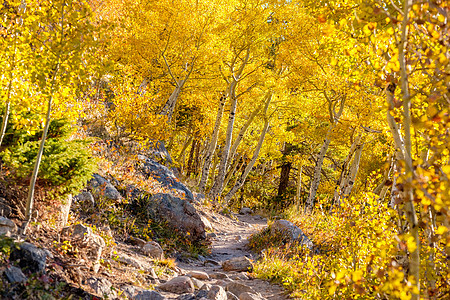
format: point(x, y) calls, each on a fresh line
point(333, 112)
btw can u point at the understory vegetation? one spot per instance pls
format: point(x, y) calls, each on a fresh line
point(333, 114)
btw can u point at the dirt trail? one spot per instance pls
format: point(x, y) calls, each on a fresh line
point(231, 241)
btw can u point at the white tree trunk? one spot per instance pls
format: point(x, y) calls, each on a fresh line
point(232, 170)
point(8, 97)
point(169, 107)
point(242, 133)
point(217, 187)
point(344, 172)
point(299, 188)
point(240, 182)
point(212, 146)
point(334, 117)
point(218, 183)
point(345, 192)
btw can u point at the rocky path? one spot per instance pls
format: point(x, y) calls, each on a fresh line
point(230, 242)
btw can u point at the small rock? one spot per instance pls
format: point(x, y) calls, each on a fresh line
point(238, 288)
point(149, 295)
point(128, 260)
point(136, 241)
point(239, 276)
point(85, 199)
point(291, 232)
point(246, 211)
point(197, 283)
point(14, 274)
point(212, 262)
point(231, 296)
point(153, 249)
point(222, 282)
point(31, 258)
point(102, 188)
point(83, 237)
point(187, 297)
point(101, 286)
point(250, 296)
point(178, 285)
point(218, 275)
point(205, 287)
point(7, 227)
point(237, 264)
point(217, 293)
point(130, 290)
point(201, 294)
point(199, 275)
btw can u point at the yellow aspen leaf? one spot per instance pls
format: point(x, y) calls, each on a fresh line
point(410, 243)
point(441, 230)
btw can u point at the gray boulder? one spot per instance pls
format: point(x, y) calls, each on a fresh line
point(291, 232)
point(102, 188)
point(153, 249)
point(178, 285)
point(179, 214)
point(217, 293)
point(102, 287)
point(238, 264)
point(148, 295)
point(83, 237)
point(238, 288)
point(85, 199)
point(14, 275)
point(159, 153)
point(31, 258)
point(164, 176)
point(7, 227)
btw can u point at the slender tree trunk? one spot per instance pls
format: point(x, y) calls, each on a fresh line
point(218, 183)
point(232, 169)
point(181, 157)
point(169, 107)
point(299, 188)
point(414, 258)
point(30, 197)
point(240, 182)
point(8, 97)
point(190, 163)
point(334, 117)
point(217, 187)
point(347, 189)
point(5, 118)
point(197, 158)
point(242, 133)
point(317, 172)
point(212, 146)
point(338, 188)
point(284, 178)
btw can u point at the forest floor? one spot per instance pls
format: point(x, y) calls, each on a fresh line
point(231, 241)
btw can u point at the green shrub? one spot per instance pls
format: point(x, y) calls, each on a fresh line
point(66, 164)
